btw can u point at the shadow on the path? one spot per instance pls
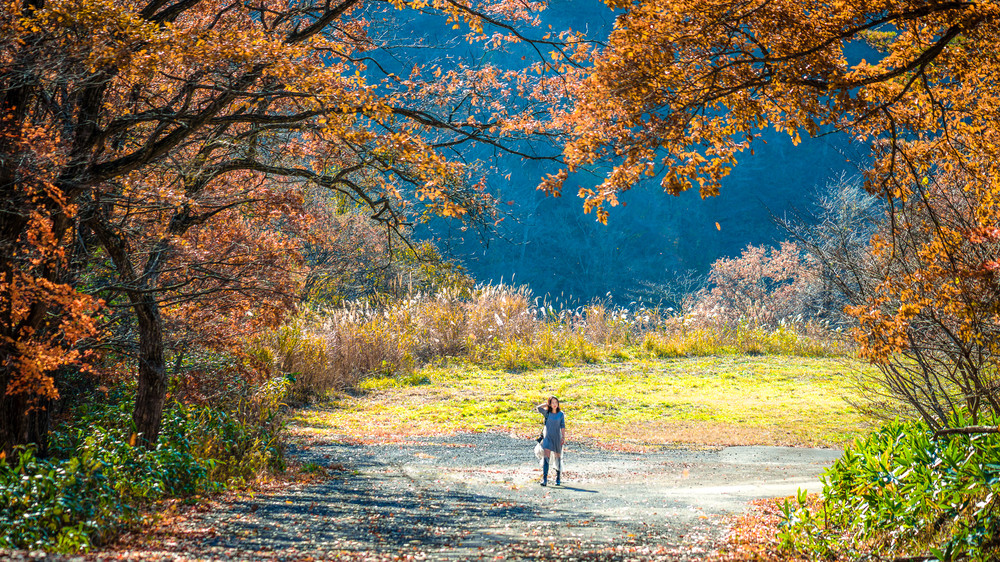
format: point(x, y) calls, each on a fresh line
point(464, 497)
point(572, 489)
point(375, 506)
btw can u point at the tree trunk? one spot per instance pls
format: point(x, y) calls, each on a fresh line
point(23, 423)
point(151, 394)
point(26, 193)
point(152, 391)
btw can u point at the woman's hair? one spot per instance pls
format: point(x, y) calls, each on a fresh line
point(548, 404)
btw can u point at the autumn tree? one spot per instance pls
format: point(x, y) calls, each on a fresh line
point(161, 127)
point(222, 277)
point(762, 287)
point(684, 87)
point(836, 231)
point(929, 310)
point(43, 319)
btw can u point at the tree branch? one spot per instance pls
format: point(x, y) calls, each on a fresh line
point(969, 430)
point(321, 22)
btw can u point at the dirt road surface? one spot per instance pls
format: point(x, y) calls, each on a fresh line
point(477, 496)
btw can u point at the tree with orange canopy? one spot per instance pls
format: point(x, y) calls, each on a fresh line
point(683, 88)
point(171, 140)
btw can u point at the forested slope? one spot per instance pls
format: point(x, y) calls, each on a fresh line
point(549, 244)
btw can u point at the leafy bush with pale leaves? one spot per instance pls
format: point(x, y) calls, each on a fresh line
point(762, 287)
point(902, 492)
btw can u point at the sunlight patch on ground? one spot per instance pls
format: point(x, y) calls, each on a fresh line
point(729, 400)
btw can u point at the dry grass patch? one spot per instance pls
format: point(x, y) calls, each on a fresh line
point(753, 537)
point(729, 400)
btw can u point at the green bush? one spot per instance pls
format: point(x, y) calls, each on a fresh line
point(904, 492)
point(244, 441)
point(62, 505)
point(95, 482)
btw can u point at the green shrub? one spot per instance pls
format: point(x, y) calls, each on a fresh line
point(96, 483)
point(904, 492)
point(244, 441)
point(60, 505)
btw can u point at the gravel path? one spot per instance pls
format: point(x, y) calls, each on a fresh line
point(477, 496)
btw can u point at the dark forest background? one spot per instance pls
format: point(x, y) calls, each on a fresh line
point(651, 240)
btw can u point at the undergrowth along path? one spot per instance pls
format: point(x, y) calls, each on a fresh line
point(718, 400)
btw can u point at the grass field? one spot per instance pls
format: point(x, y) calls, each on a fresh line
point(723, 400)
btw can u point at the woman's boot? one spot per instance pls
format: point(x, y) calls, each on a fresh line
point(545, 472)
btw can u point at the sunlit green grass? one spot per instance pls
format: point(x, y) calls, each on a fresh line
point(726, 400)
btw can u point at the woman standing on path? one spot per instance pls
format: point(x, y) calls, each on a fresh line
point(553, 437)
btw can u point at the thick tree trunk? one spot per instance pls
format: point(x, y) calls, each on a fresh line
point(22, 423)
point(24, 413)
point(152, 391)
point(25, 192)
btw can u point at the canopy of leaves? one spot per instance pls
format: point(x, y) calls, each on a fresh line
point(684, 87)
point(157, 152)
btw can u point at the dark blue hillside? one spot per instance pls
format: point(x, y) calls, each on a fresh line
point(552, 246)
